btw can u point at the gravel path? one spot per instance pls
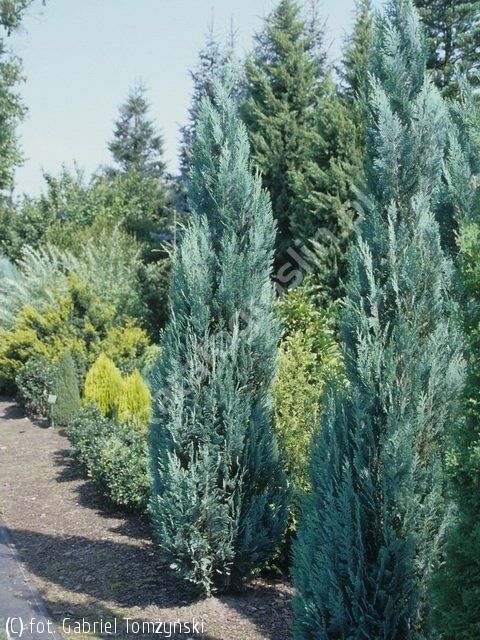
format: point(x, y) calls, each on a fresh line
point(92, 562)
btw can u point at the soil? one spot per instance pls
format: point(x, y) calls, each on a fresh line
point(91, 561)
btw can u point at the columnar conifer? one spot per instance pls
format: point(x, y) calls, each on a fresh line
point(219, 495)
point(372, 524)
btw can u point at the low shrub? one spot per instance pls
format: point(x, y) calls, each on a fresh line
point(103, 385)
point(127, 398)
point(115, 455)
point(76, 320)
point(126, 346)
point(35, 382)
point(135, 402)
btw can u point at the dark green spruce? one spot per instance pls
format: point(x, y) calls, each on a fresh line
point(453, 30)
point(304, 142)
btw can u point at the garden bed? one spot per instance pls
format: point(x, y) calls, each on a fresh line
point(91, 561)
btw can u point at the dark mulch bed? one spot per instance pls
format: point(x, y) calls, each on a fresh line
point(92, 561)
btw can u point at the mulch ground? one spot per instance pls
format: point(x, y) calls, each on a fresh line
point(90, 561)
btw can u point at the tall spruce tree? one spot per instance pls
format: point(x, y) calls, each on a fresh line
point(304, 143)
point(139, 187)
point(357, 58)
point(282, 79)
point(453, 29)
point(136, 144)
point(372, 524)
point(322, 217)
point(219, 495)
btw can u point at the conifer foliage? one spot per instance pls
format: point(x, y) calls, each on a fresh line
point(372, 525)
point(453, 29)
point(279, 109)
point(66, 389)
point(219, 496)
point(215, 60)
point(357, 58)
point(136, 144)
point(304, 142)
point(457, 583)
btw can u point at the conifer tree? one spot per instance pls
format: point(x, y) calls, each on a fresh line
point(139, 188)
point(372, 524)
point(219, 495)
point(357, 58)
point(457, 583)
point(103, 385)
point(65, 387)
point(453, 29)
point(136, 144)
point(215, 60)
point(322, 215)
point(304, 143)
point(282, 79)
point(135, 402)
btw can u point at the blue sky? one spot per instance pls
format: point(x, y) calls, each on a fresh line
point(82, 56)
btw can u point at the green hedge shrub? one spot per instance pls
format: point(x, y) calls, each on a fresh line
point(115, 455)
point(127, 399)
point(35, 382)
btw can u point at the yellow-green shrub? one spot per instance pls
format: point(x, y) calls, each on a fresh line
point(103, 385)
point(79, 322)
point(125, 345)
point(46, 334)
point(309, 355)
point(135, 401)
point(128, 398)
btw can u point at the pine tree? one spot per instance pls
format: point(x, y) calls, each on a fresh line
point(282, 79)
point(65, 387)
point(219, 497)
point(453, 29)
point(136, 144)
point(372, 525)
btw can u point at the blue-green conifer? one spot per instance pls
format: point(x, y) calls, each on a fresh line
point(219, 495)
point(372, 525)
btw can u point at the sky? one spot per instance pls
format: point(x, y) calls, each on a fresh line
point(81, 57)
